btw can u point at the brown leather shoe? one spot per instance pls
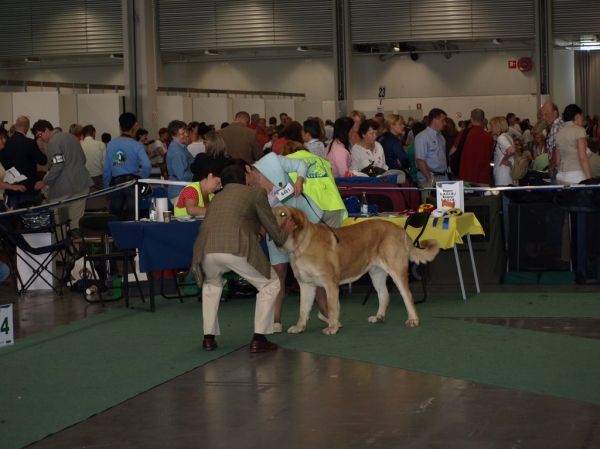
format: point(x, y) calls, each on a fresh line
point(209, 344)
point(262, 346)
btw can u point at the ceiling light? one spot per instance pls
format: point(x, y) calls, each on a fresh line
point(302, 48)
point(34, 60)
point(116, 55)
point(496, 41)
point(396, 47)
point(211, 52)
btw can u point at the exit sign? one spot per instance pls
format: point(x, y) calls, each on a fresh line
point(512, 64)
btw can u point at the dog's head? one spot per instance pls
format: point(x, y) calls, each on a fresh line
point(282, 213)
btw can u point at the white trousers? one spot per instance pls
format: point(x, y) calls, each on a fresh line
point(214, 265)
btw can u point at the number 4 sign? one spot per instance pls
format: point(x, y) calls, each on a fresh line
point(6, 325)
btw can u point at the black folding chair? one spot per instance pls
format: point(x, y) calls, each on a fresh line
point(16, 247)
point(100, 254)
point(418, 221)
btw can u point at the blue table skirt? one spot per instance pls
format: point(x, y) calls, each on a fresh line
point(161, 246)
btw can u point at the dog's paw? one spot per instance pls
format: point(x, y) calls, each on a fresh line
point(412, 323)
point(376, 319)
point(330, 330)
point(296, 329)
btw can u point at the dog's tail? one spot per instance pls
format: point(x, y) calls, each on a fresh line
point(430, 249)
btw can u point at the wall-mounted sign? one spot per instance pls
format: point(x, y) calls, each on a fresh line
point(512, 64)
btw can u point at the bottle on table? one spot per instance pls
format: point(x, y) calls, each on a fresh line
point(364, 205)
point(153, 210)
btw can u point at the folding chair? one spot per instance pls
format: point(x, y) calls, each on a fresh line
point(98, 251)
point(418, 221)
point(16, 248)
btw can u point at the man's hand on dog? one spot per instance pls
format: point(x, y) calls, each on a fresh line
point(289, 225)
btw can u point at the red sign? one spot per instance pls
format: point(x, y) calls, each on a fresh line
point(418, 105)
point(512, 64)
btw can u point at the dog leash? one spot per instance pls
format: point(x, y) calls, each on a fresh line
point(321, 219)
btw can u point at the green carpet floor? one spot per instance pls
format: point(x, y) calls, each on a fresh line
point(59, 377)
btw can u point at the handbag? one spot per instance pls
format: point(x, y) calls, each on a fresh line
point(36, 220)
point(373, 171)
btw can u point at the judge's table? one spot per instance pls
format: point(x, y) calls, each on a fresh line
point(448, 231)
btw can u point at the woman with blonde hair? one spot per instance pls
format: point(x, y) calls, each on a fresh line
point(391, 141)
point(504, 152)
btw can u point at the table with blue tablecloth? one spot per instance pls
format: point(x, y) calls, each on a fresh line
point(161, 246)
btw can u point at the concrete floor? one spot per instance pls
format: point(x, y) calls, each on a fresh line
point(292, 399)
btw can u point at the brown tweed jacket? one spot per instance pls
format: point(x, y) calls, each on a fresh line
point(231, 225)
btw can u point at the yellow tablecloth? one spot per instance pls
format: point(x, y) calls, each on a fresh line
point(458, 226)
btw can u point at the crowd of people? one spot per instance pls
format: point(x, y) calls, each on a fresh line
point(294, 163)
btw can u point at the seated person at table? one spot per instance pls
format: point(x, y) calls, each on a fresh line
point(367, 151)
point(194, 198)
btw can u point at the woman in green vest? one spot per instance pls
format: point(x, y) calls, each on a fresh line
point(194, 198)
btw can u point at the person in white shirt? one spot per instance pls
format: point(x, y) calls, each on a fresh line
point(367, 150)
point(160, 148)
point(95, 152)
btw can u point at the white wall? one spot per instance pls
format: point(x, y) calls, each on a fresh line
point(174, 107)
point(6, 107)
point(102, 111)
point(277, 106)
point(250, 105)
point(67, 111)
point(36, 106)
point(459, 79)
point(562, 85)
point(311, 76)
point(213, 110)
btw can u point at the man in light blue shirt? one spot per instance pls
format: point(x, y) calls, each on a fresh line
point(125, 160)
point(179, 159)
point(430, 151)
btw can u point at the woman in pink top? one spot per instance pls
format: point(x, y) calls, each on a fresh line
point(338, 151)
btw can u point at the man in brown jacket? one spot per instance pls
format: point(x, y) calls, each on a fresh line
point(240, 141)
point(229, 240)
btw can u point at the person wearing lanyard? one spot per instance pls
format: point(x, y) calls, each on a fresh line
point(125, 160)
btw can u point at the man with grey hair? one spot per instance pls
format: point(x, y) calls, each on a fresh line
point(67, 176)
point(241, 141)
point(552, 118)
point(476, 152)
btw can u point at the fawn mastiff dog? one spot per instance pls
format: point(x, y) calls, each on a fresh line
point(327, 257)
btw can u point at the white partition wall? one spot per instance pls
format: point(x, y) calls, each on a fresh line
point(174, 107)
point(67, 111)
point(276, 107)
point(36, 106)
point(213, 110)
point(6, 107)
point(329, 112)
point(102, 111)
point(250, 105)
point(304, 109)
